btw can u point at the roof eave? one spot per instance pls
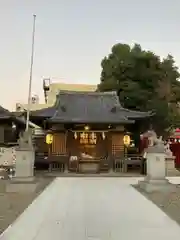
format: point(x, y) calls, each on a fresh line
point(5, 117)
point(57, 121)
point(139, 115)
point(43, 113)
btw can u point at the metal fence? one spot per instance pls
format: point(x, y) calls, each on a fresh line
point(125, 163)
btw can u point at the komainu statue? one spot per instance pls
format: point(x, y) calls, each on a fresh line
point(151, 136)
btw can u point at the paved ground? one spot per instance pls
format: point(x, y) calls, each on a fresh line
point(94, 209)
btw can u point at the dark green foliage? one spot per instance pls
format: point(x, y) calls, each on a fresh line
point(144, 82)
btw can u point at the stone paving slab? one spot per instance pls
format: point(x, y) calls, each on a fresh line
point(93, 209)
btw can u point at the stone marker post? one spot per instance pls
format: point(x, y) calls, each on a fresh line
point(25, 155)
point(24, 181)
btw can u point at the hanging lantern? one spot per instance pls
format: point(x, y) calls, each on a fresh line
point(126, 140)
point(49, 138)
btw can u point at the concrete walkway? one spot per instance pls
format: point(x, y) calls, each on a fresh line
point(92, 209)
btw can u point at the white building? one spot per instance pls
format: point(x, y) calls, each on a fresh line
point(50, 91)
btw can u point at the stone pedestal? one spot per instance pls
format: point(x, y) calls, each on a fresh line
point(24, 168)
point(156, 171)
point(155, 165)
point(156, 185)
point(170, 167)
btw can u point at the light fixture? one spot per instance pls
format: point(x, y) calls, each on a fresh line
point(86, 128)
point(49, 138)
point(126, 140)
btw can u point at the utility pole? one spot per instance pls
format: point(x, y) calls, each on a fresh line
point(30, 78)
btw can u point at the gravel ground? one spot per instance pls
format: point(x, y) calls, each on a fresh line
point(169, 202)
point(13, 204)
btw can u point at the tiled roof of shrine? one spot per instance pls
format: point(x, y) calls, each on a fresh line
point(89, 107)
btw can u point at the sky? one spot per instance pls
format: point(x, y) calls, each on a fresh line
point(73, 36)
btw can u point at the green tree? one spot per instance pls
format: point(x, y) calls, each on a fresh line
point(143, 82)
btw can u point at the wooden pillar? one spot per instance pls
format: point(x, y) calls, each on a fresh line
point(117, 145)
point(59, 144)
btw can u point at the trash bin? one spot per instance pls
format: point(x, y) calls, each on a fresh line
point(143, 167)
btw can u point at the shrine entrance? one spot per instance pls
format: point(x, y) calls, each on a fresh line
point(90, 147)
